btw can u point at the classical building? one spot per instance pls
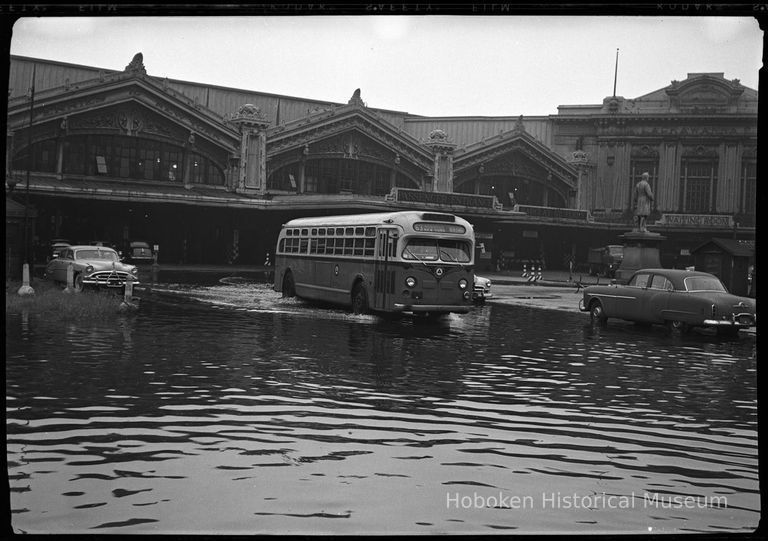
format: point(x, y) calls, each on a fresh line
point(210, 173)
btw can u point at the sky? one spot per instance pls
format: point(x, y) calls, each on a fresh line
point(434, 65)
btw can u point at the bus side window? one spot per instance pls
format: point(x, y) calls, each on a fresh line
point(370, 243)
point(281, 248)
point(348, 246)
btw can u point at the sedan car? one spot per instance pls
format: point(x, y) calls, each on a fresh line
point(482, 290)
point(95, 266)
point(681, 299)
point(139, 252)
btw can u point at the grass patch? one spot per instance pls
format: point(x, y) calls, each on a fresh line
point(50, 300)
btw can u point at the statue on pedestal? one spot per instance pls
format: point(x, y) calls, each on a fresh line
point(642, 199)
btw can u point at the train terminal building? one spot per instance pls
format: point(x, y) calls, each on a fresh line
point(209, 173)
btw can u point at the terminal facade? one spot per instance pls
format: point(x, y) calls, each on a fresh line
point(209, 174)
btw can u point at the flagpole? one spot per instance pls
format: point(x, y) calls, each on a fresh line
point(30, 156)
point(615, 72)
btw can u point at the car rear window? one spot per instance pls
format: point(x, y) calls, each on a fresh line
point(640, 280)
point(660, 282)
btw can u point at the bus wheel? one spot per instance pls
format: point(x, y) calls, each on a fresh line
point(289, 287)
point(359, 299)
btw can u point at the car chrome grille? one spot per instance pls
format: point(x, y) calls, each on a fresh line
point(110, 275)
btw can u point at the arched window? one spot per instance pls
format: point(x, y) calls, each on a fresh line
point(125, 157)
point(43, 158)
point(338, 175)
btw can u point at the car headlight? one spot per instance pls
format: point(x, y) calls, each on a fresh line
point(89, 269)
point(134, 270)
point(462, 284)
point(410, 282)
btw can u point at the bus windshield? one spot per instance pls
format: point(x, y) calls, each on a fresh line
point(451, 251)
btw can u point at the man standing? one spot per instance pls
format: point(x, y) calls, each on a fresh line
point(643, 197)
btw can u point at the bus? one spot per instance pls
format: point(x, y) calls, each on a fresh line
point(408, 262)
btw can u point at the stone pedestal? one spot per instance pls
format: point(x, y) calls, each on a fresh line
point(641, 251)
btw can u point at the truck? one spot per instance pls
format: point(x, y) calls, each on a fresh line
point(604, 261)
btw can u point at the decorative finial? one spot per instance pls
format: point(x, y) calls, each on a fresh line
point(137, 64)
point(356, 99)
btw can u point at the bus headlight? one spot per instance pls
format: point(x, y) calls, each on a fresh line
point(462, 284)
point(410, 282)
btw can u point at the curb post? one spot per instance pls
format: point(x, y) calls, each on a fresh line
point(70, 279)
point(25, 288)
point(128, 298)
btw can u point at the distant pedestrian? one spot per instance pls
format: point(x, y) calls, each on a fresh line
point(268, 268)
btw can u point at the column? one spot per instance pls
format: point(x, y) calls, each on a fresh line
point(253, 148)
point(443, 149)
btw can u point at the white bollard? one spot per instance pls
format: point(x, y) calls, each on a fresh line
point(129, 290)
point(25, 288)
point(70, 279)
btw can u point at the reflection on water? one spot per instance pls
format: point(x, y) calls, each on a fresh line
point(226, 409)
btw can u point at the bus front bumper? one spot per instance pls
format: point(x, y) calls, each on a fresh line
point(431, 308)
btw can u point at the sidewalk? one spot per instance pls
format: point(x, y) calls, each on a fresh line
point(550, 278)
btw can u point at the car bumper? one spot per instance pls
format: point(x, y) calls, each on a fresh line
point(741, 321)
point(582, 307)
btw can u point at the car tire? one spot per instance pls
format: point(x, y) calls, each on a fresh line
point(728, 332)
point(597, 313)
point(676, 325)
point(359, 299)
point(77, 283)
point(289, 286)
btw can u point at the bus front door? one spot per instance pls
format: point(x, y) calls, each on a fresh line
point(384, 279)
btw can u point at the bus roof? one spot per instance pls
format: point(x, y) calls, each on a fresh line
point(375, 218)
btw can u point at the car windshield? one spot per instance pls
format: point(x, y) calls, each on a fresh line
point(703, 283)
point(451, 251)
point(107, 255)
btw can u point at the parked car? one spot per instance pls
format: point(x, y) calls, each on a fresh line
point(482, 290)
point(96, 266)
point(605, 261)
point(57, 245)
point(681, 299)
point(139, 252)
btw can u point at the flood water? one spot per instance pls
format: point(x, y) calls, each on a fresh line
point(226, 409)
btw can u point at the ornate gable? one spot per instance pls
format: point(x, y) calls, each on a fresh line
point(341, 128)
point(704, 93)
point(511, 142)
point(129, 102)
